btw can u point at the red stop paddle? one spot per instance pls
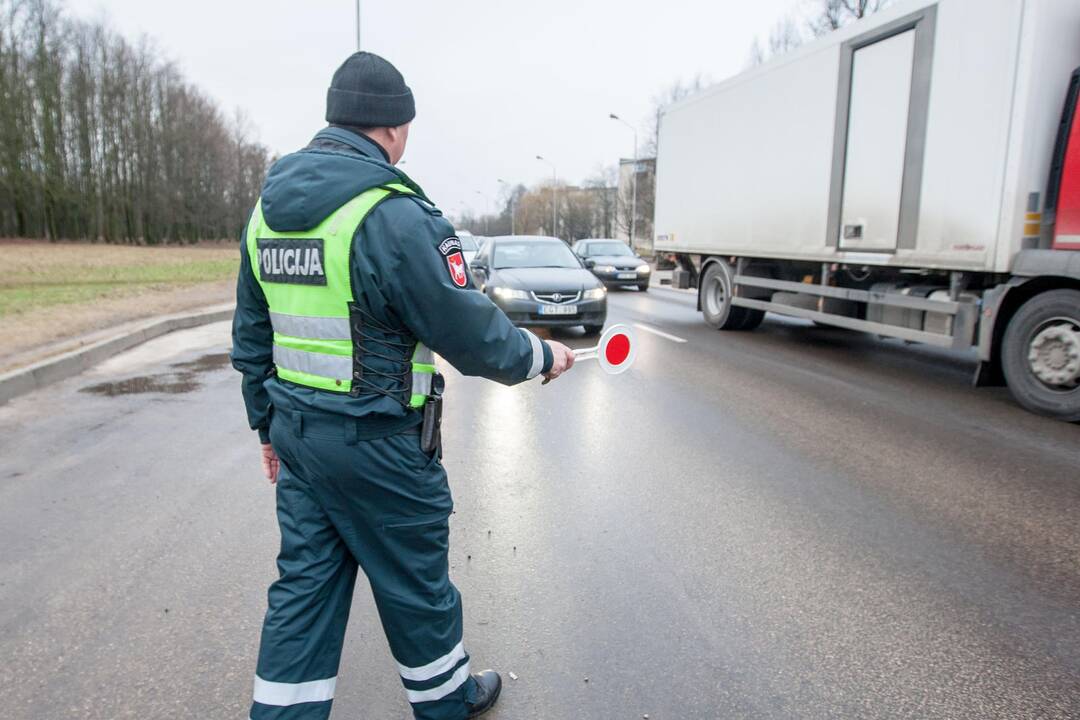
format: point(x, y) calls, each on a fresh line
point(615, 352)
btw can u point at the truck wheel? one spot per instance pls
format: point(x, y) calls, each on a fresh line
point(716, 301)
point(1040, 354)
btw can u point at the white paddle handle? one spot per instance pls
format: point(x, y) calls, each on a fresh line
point(587, 353)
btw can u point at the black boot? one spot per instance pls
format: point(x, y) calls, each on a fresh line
point(488, 686)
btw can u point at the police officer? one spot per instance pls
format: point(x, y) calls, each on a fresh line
point(350, 281)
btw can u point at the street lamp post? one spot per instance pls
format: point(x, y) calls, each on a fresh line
point(513, 222)
point(633, 180)
point(554, 196)
point(357, 25)
point(488, 198)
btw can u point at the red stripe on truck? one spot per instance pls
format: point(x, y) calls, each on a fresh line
point(1067, 226)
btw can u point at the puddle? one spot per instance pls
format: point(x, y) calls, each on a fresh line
point(172, 384)
point(205, 363)
point(183, 380)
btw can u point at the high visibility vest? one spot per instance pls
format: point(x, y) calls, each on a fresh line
point(306, 278)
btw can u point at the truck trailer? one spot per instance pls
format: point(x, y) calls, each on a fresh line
point(915, 175)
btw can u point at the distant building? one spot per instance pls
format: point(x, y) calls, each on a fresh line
point(646, 193)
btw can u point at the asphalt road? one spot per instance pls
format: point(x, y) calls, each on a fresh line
point(792, 523)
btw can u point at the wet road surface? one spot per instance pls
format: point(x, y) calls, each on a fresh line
point(797, 522)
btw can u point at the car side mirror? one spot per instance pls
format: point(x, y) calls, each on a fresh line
point(590, 263)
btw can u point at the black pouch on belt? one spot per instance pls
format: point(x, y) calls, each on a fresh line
point(431, 429)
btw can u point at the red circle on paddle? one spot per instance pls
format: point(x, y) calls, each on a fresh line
point(617, 350)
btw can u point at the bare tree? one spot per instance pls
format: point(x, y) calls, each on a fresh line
point(818, 17)
point(604, 184)
point(824, 16)
point(103, 140)
point(671, 94)
point(645, 205)
point(756, 55)
point(588, 210)
point(585, 211)
point(534, 211)
point(507, 220)
point(784, 36)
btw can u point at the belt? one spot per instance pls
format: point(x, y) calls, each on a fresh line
point(330, 426)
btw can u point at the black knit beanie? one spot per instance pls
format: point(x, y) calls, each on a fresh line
point(367, 91)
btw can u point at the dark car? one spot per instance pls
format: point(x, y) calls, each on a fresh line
point(539, 282)
point(614, 263)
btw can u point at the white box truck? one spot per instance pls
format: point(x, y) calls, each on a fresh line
point(914, 175)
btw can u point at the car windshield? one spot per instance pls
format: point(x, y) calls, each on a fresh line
point(613, 247)
point(468, 243)
point(533, 254)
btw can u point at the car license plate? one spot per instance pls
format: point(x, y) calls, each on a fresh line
point(626, 276)
point(558, 309)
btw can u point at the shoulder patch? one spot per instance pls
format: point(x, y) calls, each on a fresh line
point(450, 248)
point(449, 245)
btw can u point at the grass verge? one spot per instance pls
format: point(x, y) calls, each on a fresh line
point(41, 275)
point(54, 292)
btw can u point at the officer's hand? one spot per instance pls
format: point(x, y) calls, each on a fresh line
point(563, 360)
point(270, 463)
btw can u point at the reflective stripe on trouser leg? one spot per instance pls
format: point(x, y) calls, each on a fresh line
point(438, 678)
point(308, 606)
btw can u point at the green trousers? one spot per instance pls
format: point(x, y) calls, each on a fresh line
point(382, 505)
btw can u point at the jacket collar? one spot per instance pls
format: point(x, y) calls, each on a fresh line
point(360, 143)
point(371, 152)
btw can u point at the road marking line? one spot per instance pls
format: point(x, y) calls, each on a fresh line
point(661, 333)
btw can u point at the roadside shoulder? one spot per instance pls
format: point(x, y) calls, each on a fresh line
point(92, 349)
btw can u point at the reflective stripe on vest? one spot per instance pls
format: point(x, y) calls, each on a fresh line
point(311, 327)
point(309, 291)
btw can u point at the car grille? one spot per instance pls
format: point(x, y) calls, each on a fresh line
point(621, 268)
point(558, 298)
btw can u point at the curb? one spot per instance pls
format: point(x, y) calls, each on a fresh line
point(53, 370)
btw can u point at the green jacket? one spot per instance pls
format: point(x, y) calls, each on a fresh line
point(399, 276)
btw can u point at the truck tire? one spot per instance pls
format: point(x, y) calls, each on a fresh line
point(716, 301)
point(1040, 354)
point(751, 318)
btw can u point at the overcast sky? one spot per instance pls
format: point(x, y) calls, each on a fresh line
point(496, 82)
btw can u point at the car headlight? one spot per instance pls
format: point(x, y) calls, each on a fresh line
point(510, 293)
point(643, 268)
point(594, 294)
point(604, 268)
